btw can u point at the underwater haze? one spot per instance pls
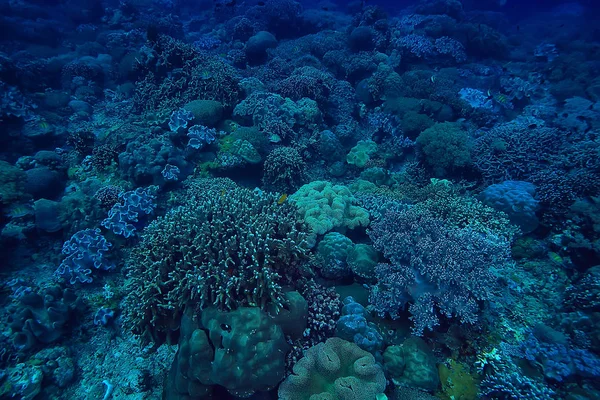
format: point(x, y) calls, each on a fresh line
point(334, 200)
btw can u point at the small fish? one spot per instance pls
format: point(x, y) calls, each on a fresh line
point(19, 211)
point(205, 75)
point(282, 199)
point(44, 125)
point(432, 79)
point(233, 126)
point(555, 258)
point(500, 98)
point(222, 192)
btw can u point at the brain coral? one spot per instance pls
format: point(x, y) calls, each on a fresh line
point(336, 369)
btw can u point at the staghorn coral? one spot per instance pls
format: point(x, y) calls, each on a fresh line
point(225, 247)
point(514, 151)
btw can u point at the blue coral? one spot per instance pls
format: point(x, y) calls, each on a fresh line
point(201, 136)
point(85, 251)
point(508, 382)
point(354, 327)
point(171, 172)
point(136, 204)
point(476, 98)
point(559, 360)
point(515, 198)
point(179, 119)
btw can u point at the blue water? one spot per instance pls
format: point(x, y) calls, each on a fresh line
point(300, 200)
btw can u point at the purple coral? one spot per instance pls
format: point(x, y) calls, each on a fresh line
point(207, 42)
point(302, 85)
point(437, 269)
point(447, 46)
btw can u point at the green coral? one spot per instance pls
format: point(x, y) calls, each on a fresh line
point(324, 207)
point(445, 147)
point(414, 123)
point(457, 382)
point(246, 151)
point(206, 112)
point(242, 350)
point(223, 248)
point(361, 154)
point(336, 369)
point(362, 259)
point(333, 249)
point(292, 318)
point(377, 175)
point(412, 364)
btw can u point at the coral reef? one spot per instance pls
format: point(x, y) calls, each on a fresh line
point(188, 190)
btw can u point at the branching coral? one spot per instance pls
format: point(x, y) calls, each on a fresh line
point(276, 116)
point(224, 247)
point(174, 73)
point(437, 268)
point(284, 170)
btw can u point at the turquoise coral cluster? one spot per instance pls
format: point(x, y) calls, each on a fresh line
point(225, 246)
